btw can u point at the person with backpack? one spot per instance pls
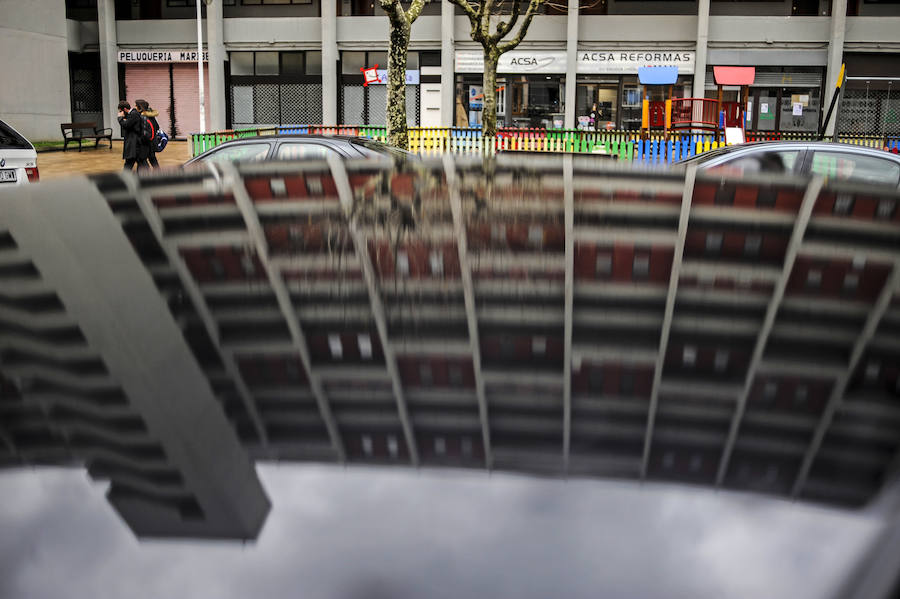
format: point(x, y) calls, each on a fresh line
point(156, 144)
point(134, 146)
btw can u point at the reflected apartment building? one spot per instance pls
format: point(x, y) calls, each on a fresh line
point(298, 62)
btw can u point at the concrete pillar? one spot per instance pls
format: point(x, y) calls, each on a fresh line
point(702, 42)
point(109, 66)
point(571, 63)
point(329, 63)
point(448, 69)
point(215, 45)
point(835, 57)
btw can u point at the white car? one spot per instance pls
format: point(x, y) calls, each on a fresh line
point(18, 160)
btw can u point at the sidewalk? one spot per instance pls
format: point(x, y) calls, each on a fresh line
point(55, 165)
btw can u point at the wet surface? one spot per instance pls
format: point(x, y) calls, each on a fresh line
point(56, 165)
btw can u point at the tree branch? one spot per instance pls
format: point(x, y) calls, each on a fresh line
point(533, 7)
point(394, 11)
point(414, 10)
point(504, 27)
point(464, 4)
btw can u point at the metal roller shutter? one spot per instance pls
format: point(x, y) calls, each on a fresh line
point(187, 98)
point(151, 82)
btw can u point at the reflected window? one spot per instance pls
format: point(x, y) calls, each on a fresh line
point(689, 355)
point(335, 345)
point(436, 260)
point(303, 151)
point(886, 209)
point(752, 245)
point(239, 153)
point(365, 346)
point(779, 162)
point(393, 446)
point(843, 204)
point(814, 279)
point(425, 377)
point(845, 166)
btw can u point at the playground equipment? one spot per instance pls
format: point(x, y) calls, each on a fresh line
point(733, 114)
point(656, 115)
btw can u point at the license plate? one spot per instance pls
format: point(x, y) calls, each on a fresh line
point(7, 176)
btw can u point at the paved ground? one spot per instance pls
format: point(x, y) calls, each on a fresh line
point(54, 165)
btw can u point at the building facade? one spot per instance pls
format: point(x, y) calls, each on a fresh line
point(298, 61)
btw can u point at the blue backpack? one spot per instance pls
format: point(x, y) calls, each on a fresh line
point(161, 140)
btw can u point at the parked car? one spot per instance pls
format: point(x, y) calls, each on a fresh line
point(298, 147)
point(838, 161)
point(18, 160)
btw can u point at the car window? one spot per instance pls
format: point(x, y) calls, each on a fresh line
point(773, 161)
point(10, 139)
point(304, 151)
point(847, 166)
point(255, 152)
point(384, 149)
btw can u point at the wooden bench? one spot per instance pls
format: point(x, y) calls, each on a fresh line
point(79, 132)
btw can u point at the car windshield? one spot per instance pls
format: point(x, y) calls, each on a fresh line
point(11, 140)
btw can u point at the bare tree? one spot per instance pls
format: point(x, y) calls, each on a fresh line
point(400, 21)
point(481, 13)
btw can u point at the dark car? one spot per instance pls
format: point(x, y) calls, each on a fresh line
point(299, 147)
point(833, 160)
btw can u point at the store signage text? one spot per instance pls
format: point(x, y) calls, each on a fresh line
point(160, 56)
point(412, 77)
point(628, 61)
point(605, 61)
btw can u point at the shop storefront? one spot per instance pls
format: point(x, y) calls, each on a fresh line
point(167, 79)
point(608, 80)
point(870, 104)
point(781, 99)
point(274, 88)
point(531, 86)
point(361, 104)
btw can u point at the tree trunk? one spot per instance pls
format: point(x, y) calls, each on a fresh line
point(396, 96)
point(489, 83)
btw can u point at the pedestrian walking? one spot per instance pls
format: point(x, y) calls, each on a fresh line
point(134, 147)
point(148, 113)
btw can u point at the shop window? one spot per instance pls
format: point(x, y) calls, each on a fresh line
point(845, 166)
point(241, 63)
point(275, 88)
point(266, 63)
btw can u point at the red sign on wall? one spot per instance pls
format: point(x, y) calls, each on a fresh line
point(370, 75)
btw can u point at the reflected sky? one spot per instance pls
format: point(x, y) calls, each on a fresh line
point(378, 533)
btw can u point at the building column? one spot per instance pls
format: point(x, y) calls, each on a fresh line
point(571, 63)
point(835, 57)
point(700, 55)
point(109, 66)
point(448, 62)
point(215, 45)
point(329, 63)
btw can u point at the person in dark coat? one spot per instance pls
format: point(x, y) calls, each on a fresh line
point(150, 115)
point(134, 148)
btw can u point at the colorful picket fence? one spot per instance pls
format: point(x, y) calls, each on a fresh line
point(624, 145)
